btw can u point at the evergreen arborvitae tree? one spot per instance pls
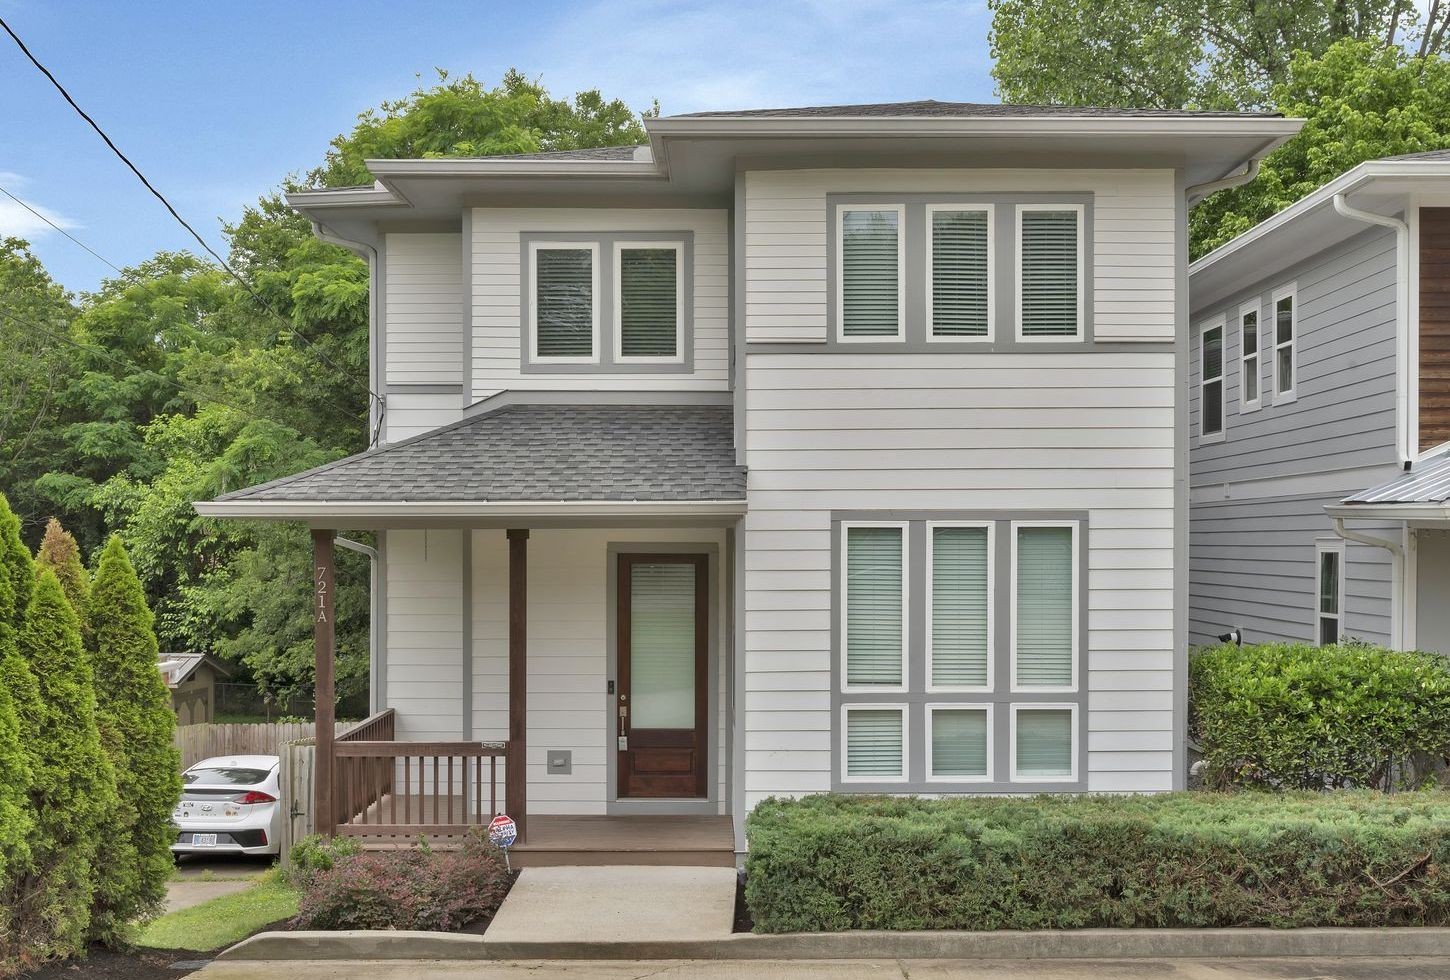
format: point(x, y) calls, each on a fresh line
point(15, 563)
point(59, 552)
point(133, 709)
point(18, 703)
point(73, 787)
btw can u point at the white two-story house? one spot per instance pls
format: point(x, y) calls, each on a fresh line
point(796, 451)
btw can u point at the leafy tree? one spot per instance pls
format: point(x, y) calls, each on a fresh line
point(73, 788)
point(1361, 101)
point(459, 117)
point(1174, 54)
point(136, 727)
point(19, 699)
point(59, 552)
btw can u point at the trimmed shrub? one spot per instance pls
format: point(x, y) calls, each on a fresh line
point(137, 725)
point(836, 862)
point(416, 888)
point(1293, 716)
point(73, 789)
point(315, 853)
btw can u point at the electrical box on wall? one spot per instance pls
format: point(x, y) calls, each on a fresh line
point(561, 762)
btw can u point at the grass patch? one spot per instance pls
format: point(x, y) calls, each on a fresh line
point(224, 920)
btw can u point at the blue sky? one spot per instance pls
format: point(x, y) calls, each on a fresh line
point(218, 101)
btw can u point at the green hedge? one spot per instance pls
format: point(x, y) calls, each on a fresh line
point(1188, 859)
point(1293, 716)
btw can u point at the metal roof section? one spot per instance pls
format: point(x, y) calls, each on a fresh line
point(1428, 482)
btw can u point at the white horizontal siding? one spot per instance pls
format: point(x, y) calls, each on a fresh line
point(423, 308)
point(846, 431)
point(411, 413)
point(425, 633)
point(1132, 249)
point(497, 326)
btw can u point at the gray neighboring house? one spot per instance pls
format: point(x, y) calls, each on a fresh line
point(1319, 403)
point(795, 451)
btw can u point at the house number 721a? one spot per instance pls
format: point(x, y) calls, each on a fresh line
point(322, 596)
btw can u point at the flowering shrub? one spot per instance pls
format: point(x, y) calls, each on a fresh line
point(416, 888)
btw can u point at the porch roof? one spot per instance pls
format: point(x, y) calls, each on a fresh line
point(1423, 493)
point(564, 458)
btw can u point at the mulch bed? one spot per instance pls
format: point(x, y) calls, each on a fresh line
point(141, 964)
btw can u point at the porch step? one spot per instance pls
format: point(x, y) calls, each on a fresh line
point(557, 841)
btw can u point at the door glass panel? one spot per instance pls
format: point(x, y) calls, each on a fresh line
point(662, 645)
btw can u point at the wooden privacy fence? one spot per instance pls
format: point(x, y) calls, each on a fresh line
point(294, 776)
point(197, 742)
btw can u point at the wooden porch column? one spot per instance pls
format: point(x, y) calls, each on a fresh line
point(323, 812)
point(516, 780)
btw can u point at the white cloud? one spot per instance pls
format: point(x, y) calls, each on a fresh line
point(16, 220)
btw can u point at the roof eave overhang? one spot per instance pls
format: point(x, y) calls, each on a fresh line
point(1391, 511)
point(1019, 126)
point(354, 510)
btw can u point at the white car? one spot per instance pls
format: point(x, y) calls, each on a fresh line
point(229, 805)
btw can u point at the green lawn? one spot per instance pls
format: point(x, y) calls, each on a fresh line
point(225, 920)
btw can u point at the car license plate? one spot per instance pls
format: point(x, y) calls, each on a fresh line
point(203, 840)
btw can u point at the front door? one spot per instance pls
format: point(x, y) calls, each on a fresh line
point(663, 651)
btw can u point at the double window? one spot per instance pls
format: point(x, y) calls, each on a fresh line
point(934, 703)
point(606, 302)
point(927, 271)
point(1210, 382)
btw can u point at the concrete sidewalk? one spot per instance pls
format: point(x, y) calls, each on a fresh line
point(1298, 968)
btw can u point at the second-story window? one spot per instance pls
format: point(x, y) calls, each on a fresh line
point(1286, 363)
point(649, 325)
point(565, 311)
point(1249, 358)
point(1210, 401)
point(959, 286)
point(1049, 272)
point(870, 293)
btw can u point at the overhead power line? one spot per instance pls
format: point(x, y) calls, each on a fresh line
point(135, 369)
point(58, 228)
point(177, 215)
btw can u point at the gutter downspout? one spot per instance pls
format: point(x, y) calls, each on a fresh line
point(1399, 621)
point(374, 601)
point(377, 410)
point(1198, 192)
point(1402, 320)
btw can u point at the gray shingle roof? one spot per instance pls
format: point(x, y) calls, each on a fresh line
point(538, 453)
point(588, 153)
point(1427, 483)
point(1427, 155)
point(931, 107)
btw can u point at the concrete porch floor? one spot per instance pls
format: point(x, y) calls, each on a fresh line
point(554, 840)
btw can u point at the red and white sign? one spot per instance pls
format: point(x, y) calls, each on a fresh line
point(502, 831)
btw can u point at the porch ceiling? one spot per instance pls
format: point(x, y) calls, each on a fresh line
point(557, 463)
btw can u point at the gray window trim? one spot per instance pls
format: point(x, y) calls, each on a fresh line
point(1003, 302)
point(605, 362)
point(1002, 698)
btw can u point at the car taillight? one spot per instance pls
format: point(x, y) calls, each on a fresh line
point(253, 796)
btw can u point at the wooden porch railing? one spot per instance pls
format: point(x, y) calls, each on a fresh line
point(385, 788)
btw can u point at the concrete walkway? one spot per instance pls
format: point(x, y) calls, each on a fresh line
point(200, 878)
point(618, 904)
point(1298, 968)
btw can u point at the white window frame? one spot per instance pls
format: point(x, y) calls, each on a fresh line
point(1322, 547)
point(1013, 686)
point(1081, 274)
point(900, 334)
point(991, 529)
point(844, 561)
point(534, 248)
point(1220, 324)
point(987, 706)
point(990, 335)
point(679, 249)
point(1016, 709)
point(1245, 405)
point(1291, 291)
point(898, 706)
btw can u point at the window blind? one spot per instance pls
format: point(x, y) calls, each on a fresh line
point(1044, 743)
point(874, 742)
point(1044, 637)
point(1211, 407)
point(873, 605)
point(662, 645)
point(959, 612)
point(870, 273)
point(564, 302)
point(1049, 273)
point(648, 302)
point(959, 742)
point(959, 273)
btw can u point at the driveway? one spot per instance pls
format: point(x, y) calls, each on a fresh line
point(202, 877)
point(1298, 968)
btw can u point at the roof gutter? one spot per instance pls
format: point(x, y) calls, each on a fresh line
point(1402, 319)
point(1399, 617)
point(1198, 192)
point(345, 510)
